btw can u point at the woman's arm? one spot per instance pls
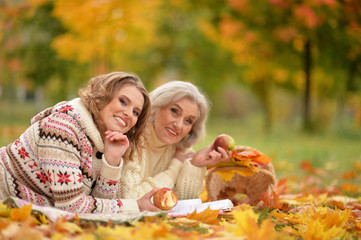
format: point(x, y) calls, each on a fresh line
point(65, 156)
point(134, 186)
point(190, 180)
point(189, 184)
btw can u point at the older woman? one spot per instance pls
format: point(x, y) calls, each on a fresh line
point(71, 155)
point(177, 121)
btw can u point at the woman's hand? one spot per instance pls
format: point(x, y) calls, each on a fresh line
point(115, 145)
point(145, 203)
point(210, 157)
point(182, 156)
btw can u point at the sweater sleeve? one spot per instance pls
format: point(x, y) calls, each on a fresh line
point(167, 178)
point(190, 181)
point(63, 155)
point(108, 180)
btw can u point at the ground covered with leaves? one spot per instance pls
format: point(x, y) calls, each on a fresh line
point(308, 207)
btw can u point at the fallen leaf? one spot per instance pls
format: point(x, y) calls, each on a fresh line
point(62, 225)
point(207, 216)
point(227, 175)
point(21, 214)
point(4, 211)
point(246, 225)
point(262, 159)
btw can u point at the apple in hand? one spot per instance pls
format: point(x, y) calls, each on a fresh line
point(165, 199)
point(224, 141)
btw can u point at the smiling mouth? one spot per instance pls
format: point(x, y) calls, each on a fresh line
point(119, 120)
point(172, 132)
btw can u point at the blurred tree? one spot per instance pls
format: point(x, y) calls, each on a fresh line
point(40, 63)
point(10, 41)
point(272, 39)
point(304, 46)
point(159, 40)
point(341, 45)
point(28, 31)
point(110, 35)
point(185, 52)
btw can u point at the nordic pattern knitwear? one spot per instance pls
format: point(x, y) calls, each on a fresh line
point(54, 163)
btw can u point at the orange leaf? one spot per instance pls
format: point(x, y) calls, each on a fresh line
point(262, 159)
point(4, 224)
point(207, 216)
point(272, 200)
point(349, 175)
point(357, 166)
point(281, 187)
point(227, 175)
point(21, 214)
point(307, 166)
point(247, 157)
point(63, 226)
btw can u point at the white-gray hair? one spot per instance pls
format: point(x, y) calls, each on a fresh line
point(173, 91)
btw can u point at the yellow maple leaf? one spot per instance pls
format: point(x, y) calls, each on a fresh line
point(148, 230)
point(21, 214)
point(204, 195)
point(43, 219)
point(246, 224)
point(227, 175)
point(207, 216)
point(4, 211)
point(288, 217)
point(320, 223)
point(119, 230)
point(62, 225)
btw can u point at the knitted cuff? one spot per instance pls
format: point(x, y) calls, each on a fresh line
point(130, 206)
point(111, 172)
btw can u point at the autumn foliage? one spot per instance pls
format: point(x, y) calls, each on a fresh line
point(287, 213)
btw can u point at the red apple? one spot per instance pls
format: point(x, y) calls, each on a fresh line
point(165, 199)
point(224, 141)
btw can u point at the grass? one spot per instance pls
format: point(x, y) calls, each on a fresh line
point(289, 147)
point(15, 118)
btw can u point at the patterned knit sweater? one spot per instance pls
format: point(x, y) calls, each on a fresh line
point(156, 168)
point(58, 161)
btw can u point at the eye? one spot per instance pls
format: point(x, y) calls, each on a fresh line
point(174, 110)
point(189, 121)
point(136, 113)
point(122, 101)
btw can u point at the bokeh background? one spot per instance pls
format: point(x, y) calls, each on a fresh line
point(283, 76)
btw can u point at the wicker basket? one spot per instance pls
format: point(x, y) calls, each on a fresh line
point(260, 182)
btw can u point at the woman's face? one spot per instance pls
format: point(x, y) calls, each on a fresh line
point(174, 121)
point(122, 112)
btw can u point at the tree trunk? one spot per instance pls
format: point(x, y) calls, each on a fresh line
point(263, 91)
point(307, 96)
point(349, 87)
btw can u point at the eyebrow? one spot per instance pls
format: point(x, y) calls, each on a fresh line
point(137, 108)
point(180, 108)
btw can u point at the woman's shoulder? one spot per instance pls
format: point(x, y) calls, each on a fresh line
point(64, 115)
point(67, 107)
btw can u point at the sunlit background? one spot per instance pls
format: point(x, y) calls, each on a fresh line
point(283, 76)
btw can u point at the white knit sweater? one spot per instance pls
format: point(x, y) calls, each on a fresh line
point(155, 167)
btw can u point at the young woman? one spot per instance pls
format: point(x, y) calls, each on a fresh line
point(72, 154)
point(177, 121)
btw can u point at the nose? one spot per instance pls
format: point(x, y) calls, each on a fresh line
point(178, 123)
point(128, 112)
